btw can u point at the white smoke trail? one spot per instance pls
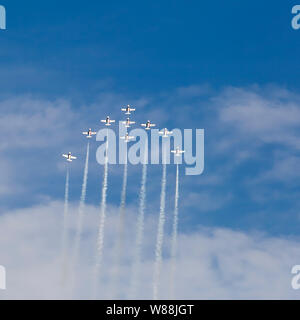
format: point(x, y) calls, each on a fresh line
point(139, 236)
point(65, 230)
point(81, 211)
point(120, 232)
point(174, 237)
point(100, 240)
point(160, 235)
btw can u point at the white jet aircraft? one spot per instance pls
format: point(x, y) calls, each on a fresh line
point(108, 121)
point(128, 109)
point(165, 132)
point(89, 133)
point(128, 123)
point(127, 137)
point(148, 125)
point(69, 157)
point(178, 152)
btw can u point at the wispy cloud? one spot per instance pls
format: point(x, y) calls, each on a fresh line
point(212, 264)
point(264, 118)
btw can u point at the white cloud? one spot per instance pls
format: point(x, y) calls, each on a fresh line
point(266, 118)
point(212, 264)
point(260, 125)
point(35, 132)
point(28, 122)
point(285, 169)
point(205, 201)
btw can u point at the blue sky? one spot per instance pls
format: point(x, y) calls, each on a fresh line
point(81, 48)
point(228, 67)
point(53, 50)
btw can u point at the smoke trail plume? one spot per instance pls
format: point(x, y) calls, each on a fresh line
point(174, 237)
point(139, 236)
point(120, 232)
point(100, 240)
point(81, 209)
point(65, 230)
point(160, 235)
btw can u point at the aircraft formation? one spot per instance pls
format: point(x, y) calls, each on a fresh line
point(137, 258)
point(108, 122)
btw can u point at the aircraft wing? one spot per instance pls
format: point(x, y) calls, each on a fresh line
point(74, 158)
point(112, 121)
point(123, 109)
point(65, 156)
point(93, 133)
point(143, 125)
point(85, 133)
point(132, 109)
point(103, 121)
point(152, 125)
